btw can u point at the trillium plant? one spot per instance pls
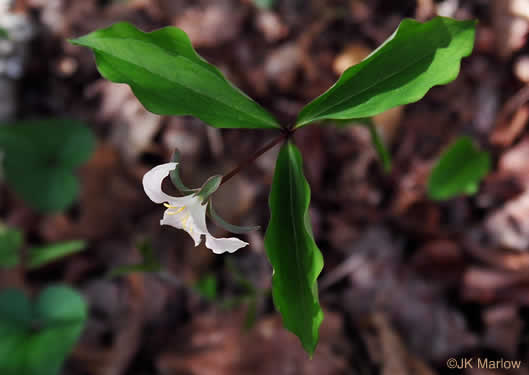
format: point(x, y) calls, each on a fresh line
point(170, 78)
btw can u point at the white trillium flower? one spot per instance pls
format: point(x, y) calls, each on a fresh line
point(187, 212)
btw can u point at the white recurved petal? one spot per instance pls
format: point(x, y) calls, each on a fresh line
point(152, 182)
point(188, 214)
point(221, 245)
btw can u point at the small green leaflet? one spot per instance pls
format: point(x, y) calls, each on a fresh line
point(292, 251)
point(11, 241)
point(207, 287)
point(170, 78)
point(42, 255)
point(415, 58)
point(40, 158)
point(35, 338)
point(458, 171)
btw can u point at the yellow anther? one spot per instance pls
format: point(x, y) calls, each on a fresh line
point(177, 211)
point(169, 206)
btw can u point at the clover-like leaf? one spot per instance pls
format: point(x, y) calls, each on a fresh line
point(40, 157)
point(415, 58)
point(170, 78)
point(35, 338)
point(459, 170)
point(292, 251)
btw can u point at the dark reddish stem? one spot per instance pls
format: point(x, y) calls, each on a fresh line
point(284, 135)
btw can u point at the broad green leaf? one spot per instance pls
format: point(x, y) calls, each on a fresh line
point(40, 256)
point(3, 33)
point(415, 58)
point(40, 157)
point(11, 241)
point(459, 170)
point(36, 338)
point(292, 251)
point(170, 78)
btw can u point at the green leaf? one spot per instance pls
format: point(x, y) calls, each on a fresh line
point(170, 78)
point(40, 157)
point(415, 58)
point(292, 251)
point(11, 241)
point(3, 33)
point(36, 338)
point(40, 256)
point(458, 171)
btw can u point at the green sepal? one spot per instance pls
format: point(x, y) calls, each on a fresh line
point(227, 226)
point(209, 187)
point(175, 175)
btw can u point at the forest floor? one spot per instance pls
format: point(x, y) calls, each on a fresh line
point(407, 283)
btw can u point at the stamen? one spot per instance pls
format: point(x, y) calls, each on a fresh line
point(177, 211)
point(184, 221)
point(169, 206)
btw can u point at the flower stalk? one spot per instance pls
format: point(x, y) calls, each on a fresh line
point(283, 136)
